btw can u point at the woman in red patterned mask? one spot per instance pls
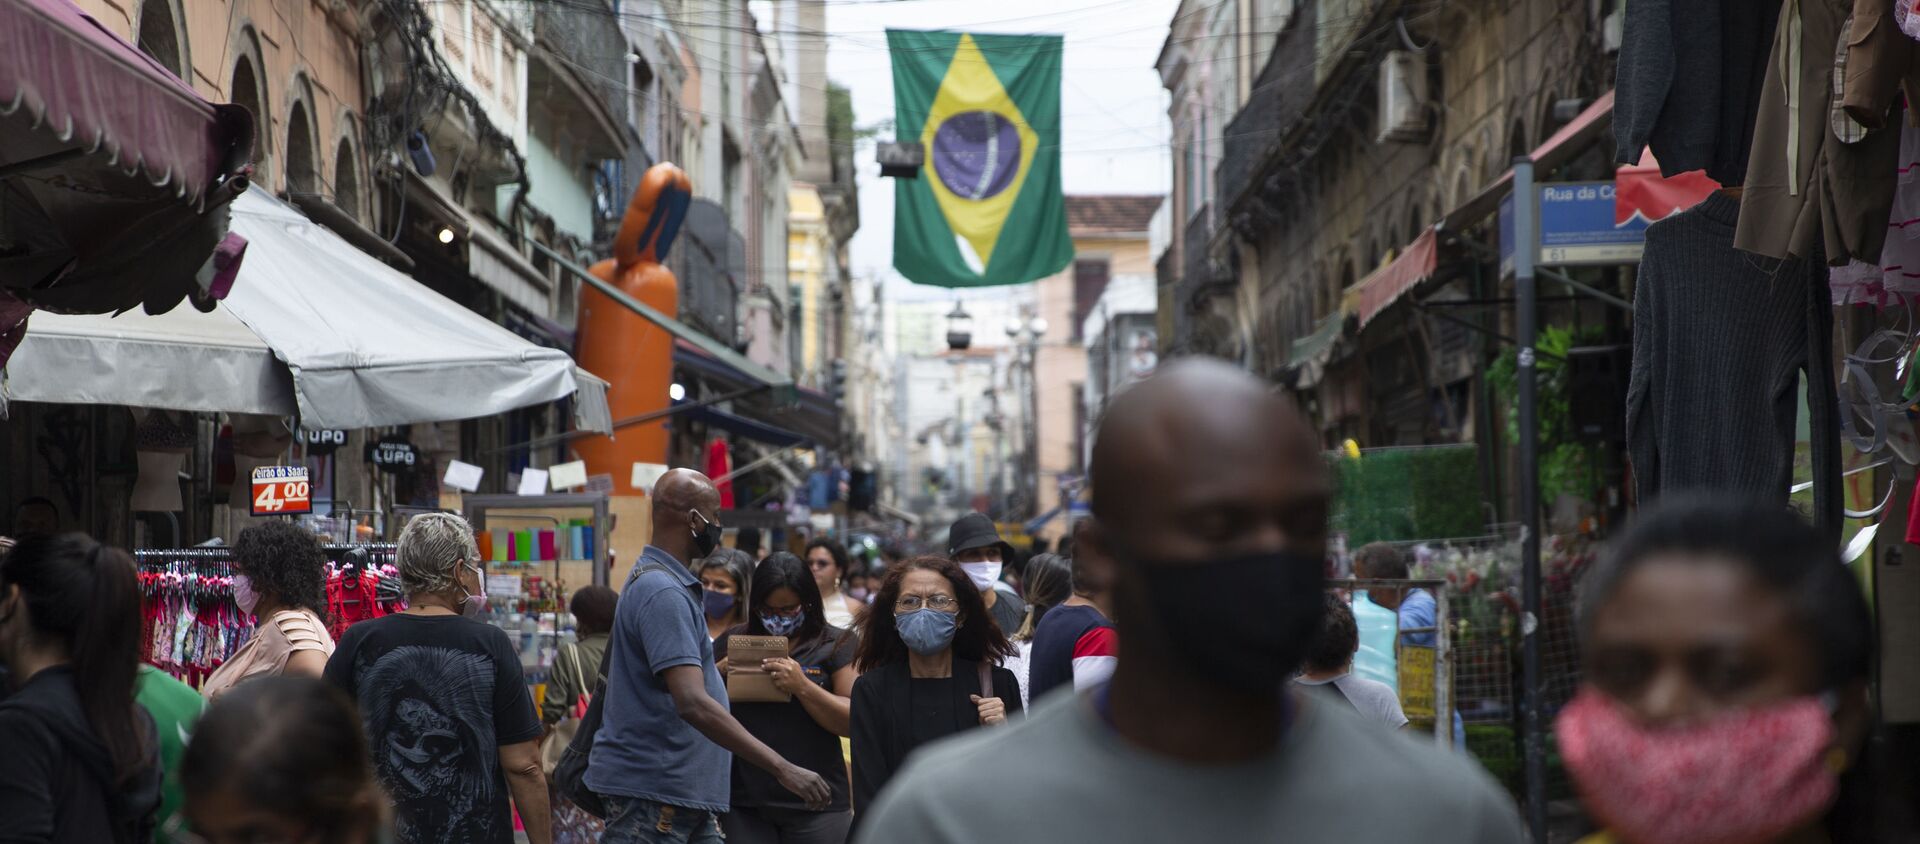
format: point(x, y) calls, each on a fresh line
point(1726, 653)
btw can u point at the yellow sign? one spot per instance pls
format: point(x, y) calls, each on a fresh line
point(1416, 682)
point(1014, 533)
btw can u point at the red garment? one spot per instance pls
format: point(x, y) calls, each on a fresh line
point(351, 600)
point(719, 464)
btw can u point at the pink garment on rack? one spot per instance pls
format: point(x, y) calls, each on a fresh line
point(1898, 275)
point(1906, 13)
point(1913, 516)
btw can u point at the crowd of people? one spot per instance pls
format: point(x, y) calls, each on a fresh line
point(1727, 656)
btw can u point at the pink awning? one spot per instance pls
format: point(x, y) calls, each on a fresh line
point(1571, 140)
point(1381, 287)
point(87, 88)
point(121, 171)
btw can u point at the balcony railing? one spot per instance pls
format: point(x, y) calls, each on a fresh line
point(586, 35)
point(709, 259)
point(1280, 96)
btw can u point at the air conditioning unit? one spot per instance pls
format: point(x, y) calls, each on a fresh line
point(1404, 115)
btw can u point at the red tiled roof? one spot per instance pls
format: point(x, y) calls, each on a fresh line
point(1111, 214)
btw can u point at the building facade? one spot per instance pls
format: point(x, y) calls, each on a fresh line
point(1110, 241)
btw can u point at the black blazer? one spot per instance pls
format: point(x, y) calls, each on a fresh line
point(882, 736)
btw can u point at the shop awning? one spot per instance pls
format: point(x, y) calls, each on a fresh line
point(809, 413)
point(129, 166)
point(1571, 140)
point(1384, 286)
point(739, 426)
point(1381, 287)
point(1307, 356)
point(313, 327)
point(781, 385)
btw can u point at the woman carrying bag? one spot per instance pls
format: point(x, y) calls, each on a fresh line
point(570, 687)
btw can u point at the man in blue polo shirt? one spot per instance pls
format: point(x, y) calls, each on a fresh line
point(661, 757)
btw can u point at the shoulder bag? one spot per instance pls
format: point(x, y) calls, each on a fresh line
point(570, 773)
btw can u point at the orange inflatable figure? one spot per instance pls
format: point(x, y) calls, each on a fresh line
point(633, 354)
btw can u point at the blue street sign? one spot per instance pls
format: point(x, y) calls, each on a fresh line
point(1577, 227)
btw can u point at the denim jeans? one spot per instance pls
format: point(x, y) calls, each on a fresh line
point(631, 820)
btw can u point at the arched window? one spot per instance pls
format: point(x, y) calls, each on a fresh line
point(346, 180)
point(303, 174)
point(158, 35)
point(246, 92)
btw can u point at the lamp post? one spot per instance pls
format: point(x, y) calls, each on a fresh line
point(959, 328)
point(1025, 335)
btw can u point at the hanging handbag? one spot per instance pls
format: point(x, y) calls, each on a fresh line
point(564, 731)
point(570, 773)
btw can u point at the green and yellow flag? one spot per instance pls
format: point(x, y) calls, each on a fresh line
point(987, 208)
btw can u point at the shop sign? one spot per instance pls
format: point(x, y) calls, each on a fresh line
point(392, 454)
point(324, 441)
point(281, 491)
point(1417, 682)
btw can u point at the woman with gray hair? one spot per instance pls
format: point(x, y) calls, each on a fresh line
point(726, 575)
point(453, 729)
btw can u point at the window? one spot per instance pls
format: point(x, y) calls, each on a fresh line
point(1089, 281)
point(245, 91)
point(158, 38)
point(346, 181)
point(641, 115)
point(302, 169)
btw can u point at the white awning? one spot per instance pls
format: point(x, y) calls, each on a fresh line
point(312, 325)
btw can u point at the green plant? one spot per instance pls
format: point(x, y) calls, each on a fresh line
point(1567, 465)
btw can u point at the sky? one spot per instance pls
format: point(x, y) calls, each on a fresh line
point(1114, 127)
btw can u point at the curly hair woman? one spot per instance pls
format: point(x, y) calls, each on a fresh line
point(280, 576)
point(927, 648)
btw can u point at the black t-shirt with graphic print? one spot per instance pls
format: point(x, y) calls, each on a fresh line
point(439, 695)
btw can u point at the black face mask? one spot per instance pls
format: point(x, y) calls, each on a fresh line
point(707, 538)
point(1245, 622)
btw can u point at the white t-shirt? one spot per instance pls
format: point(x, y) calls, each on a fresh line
point(1019, 664)
point(1376, 701)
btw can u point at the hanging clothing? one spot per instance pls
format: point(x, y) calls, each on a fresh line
point(265, 654)
point(1687, 83)
point(1879, 59)
point(351, 600)
point(1816, 178)
point(1898, 272)
point(1720, 340)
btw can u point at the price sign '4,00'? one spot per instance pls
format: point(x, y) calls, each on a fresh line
point(281, 491)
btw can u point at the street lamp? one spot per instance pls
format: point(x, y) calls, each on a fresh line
point(1025, 335)
point(959, 328)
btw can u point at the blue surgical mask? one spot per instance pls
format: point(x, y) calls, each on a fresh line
point(782, 625)
point(927, 631)
point(718, 604)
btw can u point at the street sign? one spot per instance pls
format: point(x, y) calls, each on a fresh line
point(281, 491)
point(1577, 226)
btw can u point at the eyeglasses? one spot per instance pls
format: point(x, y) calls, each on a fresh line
point(910, 603)
point(784, 612)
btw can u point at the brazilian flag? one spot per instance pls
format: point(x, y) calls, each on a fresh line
point(987, 208)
